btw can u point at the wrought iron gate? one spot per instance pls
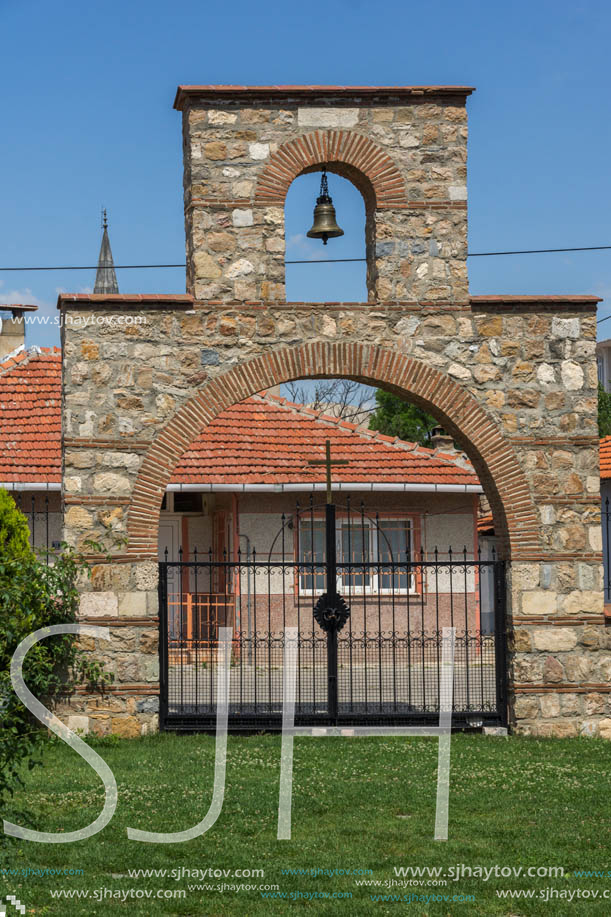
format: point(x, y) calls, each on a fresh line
point(369, 613)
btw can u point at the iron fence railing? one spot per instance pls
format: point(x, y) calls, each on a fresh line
point(387, 658)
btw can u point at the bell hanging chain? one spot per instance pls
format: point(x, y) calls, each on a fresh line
point(325, 225)
point(323, 197)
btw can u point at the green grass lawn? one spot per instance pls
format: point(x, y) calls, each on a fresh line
point(358, 804)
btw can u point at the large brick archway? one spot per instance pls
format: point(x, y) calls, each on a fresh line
point(460, 413)
point(513, 378)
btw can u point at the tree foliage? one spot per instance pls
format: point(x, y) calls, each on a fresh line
point(33, 594)
point(14, 531)
point(604, 412)
point(395, 417)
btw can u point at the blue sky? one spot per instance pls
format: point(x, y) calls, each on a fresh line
point(87, 120)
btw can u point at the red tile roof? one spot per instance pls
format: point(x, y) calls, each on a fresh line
point(268, 440)
point(262, 440)
point(605, 458)
point(30, 417)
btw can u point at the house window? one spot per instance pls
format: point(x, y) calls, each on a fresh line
point(182, 502)
point(394, 545)
point(311, 558)
point(355, 545)
point(187, 502)
point(370, 558)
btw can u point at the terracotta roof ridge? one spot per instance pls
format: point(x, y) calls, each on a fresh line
point(269, 396)
point(319, 414)
point(10, 359)
point(18, 356)
point(455, 460)
point(22, 356)
point(459, 459)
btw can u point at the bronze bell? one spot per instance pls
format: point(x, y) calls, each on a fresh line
point(324, 226)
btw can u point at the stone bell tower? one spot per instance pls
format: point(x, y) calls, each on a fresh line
point(405, 149)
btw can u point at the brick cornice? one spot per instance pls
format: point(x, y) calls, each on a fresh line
point(526, 304)
point(486, 304)
point(233, 305)
point(514, 298)
point(365, 95)
point(121, 300)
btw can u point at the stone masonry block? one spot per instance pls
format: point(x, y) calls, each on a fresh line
point(98, 605)
point(132, 604)
point(539, 602)
point(554, 639)
point(78, 724)
point(327, 117)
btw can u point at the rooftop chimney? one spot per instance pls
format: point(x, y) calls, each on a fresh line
point(441, 440)
point(12, 328)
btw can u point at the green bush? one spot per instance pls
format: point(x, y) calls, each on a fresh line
point(14, 531)
point(34, 594)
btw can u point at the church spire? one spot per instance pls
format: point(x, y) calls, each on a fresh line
point(105, 278)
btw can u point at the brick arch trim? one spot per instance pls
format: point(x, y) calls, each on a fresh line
point(359, 154)
point(463, 417)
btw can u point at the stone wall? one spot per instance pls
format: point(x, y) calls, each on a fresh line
point(513, 380)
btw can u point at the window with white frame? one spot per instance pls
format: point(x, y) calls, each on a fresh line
point(371, 558)
point(311, 556)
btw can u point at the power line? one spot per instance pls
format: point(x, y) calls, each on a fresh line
point(325, 260)
point(88, 267)
point(125, 267)
point(541, 251)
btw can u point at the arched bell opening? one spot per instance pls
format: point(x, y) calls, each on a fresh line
point(353, 200)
